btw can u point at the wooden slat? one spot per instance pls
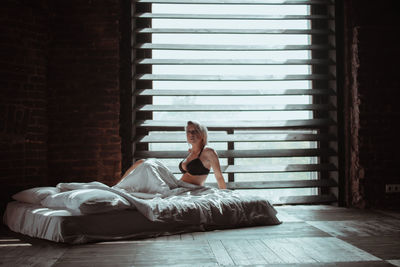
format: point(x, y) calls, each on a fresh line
point(230, 31)
point(238, 92)
point(241, 2)
point(231, 47)
point(269, 168)
point(237, 137)
point(259, 153)
point(176, 77)
point(317, 199)
point(278, 184)
point(150, 61)
point(229, 16)
point(284, 168)
point(238, 108)
point(163, 125)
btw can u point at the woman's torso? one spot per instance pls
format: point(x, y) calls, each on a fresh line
point(195, 168)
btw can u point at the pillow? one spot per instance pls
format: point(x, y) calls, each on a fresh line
point(86, 201)
point(72, 186)
point(145, 178)
point(35, 195)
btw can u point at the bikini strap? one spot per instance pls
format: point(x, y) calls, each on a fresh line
point(200, 152)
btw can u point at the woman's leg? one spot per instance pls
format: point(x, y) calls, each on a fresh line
point(128, 171)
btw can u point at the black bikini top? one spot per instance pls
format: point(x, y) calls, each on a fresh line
point(195, 167)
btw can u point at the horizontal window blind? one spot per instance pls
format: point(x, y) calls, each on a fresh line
point(259, 74)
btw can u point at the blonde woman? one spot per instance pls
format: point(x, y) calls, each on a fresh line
point(196, 166)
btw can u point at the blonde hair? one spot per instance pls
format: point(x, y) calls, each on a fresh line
point(202, 130)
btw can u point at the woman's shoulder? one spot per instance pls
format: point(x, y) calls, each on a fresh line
point(209, 151)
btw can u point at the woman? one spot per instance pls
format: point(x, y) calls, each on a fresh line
point(196, 166)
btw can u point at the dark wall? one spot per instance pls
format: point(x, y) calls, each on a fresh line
point(59, 96)
point(23, 96)
point(83, 91)
point(372, 84)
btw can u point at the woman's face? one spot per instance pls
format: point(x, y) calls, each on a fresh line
point(193, 135)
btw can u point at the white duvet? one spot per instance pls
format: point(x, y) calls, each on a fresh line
point(155, 192)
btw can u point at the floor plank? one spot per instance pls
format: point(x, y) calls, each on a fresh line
point(174, 253)
point(98, 254)
point(168, 238)
point(317, 249)
point(297, 250)
point(288, 229)
point(220, 253)
point(19, 250)
point(269, 255)
point(281, 250)
point(241, 252)
point(391, 213)
point(331, 213)
point(383, 227)
point(309, 247)
point(187, 237)
point(384, 247)
point(30, 255)
point(286, 217)
point(394, 262)
point(343, 252)
point(335, 264)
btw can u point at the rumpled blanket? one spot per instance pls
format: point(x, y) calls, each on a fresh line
point(155, 192)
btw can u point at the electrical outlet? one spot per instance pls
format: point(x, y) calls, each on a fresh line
point(392, 188)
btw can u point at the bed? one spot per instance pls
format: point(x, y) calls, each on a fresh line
point(149, 203)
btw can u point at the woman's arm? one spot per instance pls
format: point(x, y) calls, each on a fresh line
point(217, 169)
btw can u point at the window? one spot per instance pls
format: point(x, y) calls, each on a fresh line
point(259, 74)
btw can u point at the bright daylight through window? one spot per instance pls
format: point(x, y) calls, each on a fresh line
point(247, 70)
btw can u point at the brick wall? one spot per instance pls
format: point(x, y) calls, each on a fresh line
point(378, 53)
point(373, 86)
point(23, 103)
point(83, 91)
point(59, 97)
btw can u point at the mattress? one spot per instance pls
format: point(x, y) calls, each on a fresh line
point(63, 226)
point(147, 203)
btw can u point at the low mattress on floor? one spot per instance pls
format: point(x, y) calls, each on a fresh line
point(148, 202)
point(149, 218)
point(62, 226)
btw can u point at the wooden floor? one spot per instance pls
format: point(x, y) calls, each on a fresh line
point(309, 236)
